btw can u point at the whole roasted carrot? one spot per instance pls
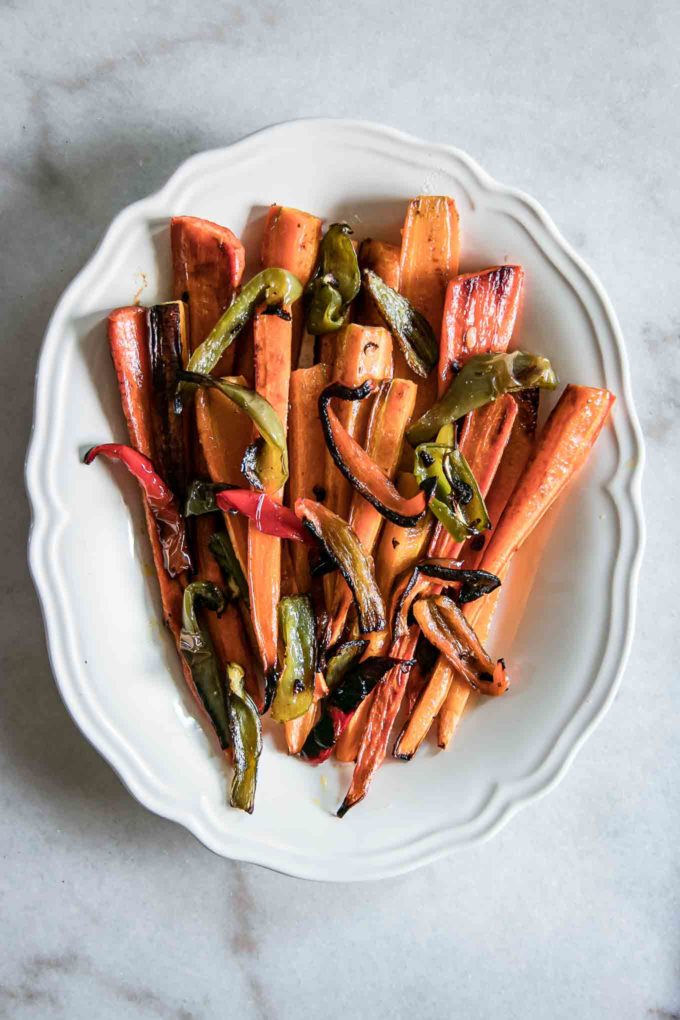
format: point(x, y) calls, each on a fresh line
point(479, 316)
point(384, 260)
point(361, 352)
point(208, 262)
point(562, 449)
point(285, 237)
point(391, 414)
point(430, 247)
point(129, 344)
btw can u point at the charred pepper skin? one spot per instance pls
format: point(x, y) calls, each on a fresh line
point(335, 284)
point(412, 331)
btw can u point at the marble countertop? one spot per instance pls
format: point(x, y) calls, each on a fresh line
point(571, 912)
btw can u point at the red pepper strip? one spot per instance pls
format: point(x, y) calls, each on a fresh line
point(161, 502)
point(361, 470)
point(269, 516)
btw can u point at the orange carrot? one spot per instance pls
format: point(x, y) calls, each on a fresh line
point(307, 451)
point(430, 247)
point(208, 262)
point(562, 449)
point(391, 414)
point(361, 352)
point(383, 259)
point(287, 239)
point(479, 316)
point(484, 439)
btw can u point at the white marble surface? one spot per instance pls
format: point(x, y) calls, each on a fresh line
point(571, 912)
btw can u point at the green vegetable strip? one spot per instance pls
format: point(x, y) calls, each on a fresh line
point(295, 687)
point(335, 283)
point(245, 729)
point(456, 501)
point(412, 331)
point(482, 379)
point(266, 473)
point(223, 551)
point(198, 652)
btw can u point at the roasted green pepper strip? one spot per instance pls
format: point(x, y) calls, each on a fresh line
point(456, 501)
point(276, 287)
point(223, 551)
point(341, 659)
point(295, 688)
point(198, 652)
point(482, 379)
point(245, 730)
point(356, 565)
point(335, 283)
point(265, 465)
point(201, 498)
point(411, 330)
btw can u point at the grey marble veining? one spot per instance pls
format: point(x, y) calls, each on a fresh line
point(571, 912)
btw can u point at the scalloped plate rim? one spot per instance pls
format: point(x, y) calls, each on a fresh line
point(116, 750)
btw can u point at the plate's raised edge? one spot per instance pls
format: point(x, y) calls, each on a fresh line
point(44, 508)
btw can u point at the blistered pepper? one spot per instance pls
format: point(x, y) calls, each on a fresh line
point(245, 731)
point(456, 500)
point(220, 546)
point(275, 287)
point(483, 378)
point(160, 499)
point(411, 330)
point(199, 654)
point(265, 464)
point(295, 685)
point(335, 283)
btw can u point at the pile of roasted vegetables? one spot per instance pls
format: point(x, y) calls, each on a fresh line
point(330, 541)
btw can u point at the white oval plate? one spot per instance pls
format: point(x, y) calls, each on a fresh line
point(117, 671)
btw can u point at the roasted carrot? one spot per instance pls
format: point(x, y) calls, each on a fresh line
point(484, 439)
point(208, 262)
point(225, 432)
point(291, 238)
point(430, 247)
point(383, 259)
point(286, 238)
point(391, 414)
point(307, 453)
point(297, 730)
point(361, 352)
point(479, 316)
point(562, 449)
point(128, 341)
point(513, 462)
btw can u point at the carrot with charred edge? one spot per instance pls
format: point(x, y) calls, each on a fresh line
point(376, 735)
point(383, 259)
point(479, 316)
point(128, 340)
point(485, 437)
point(307, 452)
point(513, 462)
point(562, 449)
point(430, 248)
point(291, 240)
point(225, 433)
point(286, 237)
point(391, 413)
point(361, 353)
point(207, 262)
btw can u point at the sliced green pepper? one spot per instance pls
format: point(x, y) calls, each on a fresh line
point(199, 654)
point(223, 551)
point(201, 498)
point(412, 331)
point(456, 501)
point(245, 730)
point(295, 687)
point(356, 565)
point(276, 287)
point(342, 659)
point(265, 464)
point(482, 379)
point(335, 283)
